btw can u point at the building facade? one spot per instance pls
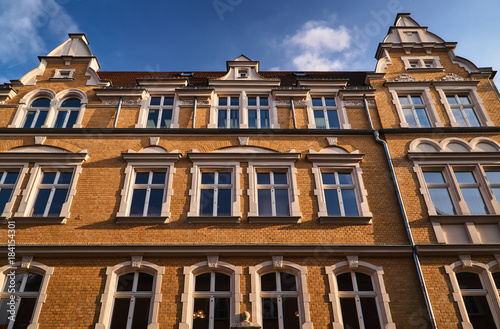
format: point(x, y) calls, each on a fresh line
point(193, 200)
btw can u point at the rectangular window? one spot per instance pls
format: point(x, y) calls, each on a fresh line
point(148, 193)
point(228, 112)
point(258, 112)
point(463, 110)
point(35, 118)
point(273, 193)
point(325, 113)
point(8, 181)
point(215, 193)
point(339, 193)
point(66, 118)
point(52, 193)
point(414, 111)
point(160, 112)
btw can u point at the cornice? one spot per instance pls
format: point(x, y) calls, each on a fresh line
point(454, 250)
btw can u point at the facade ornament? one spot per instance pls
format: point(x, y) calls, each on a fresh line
point(300, 103)
point(203, 102)
point(110, 102)
point(332, 141)
point(186, 102)
point(353, 261)
point(353, 102)
point(278, 261)
point(466, 260)
point(452, 77)
point(39, 140)
point(243, 140)
point(136, 261)
point(283, 102)
point(153, 141)
point(213, 261)
point(26, 262)
point(405, 78)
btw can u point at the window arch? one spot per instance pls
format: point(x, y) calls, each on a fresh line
point(358, 296)
point(37, 113)
point(131, 296)
point(68, 113)
point(279, 295)
point(211, 297)
point(69, 109)
point(24, 291)
point(34, 109)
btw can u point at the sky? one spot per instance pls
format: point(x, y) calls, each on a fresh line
point(201, 35)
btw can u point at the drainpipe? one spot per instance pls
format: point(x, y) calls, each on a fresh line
point(405, 218)
point(293, 113)
point(194, 110)
point(118, 112)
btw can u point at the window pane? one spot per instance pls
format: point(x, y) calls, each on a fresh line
point(208, 178)
point(235, 118)
point(224, 202)
point(222, 282)
point(155, 202)
point(155, 100)
point(29, 119)
point(496, 192)
point(288, 282)
point(138, 201)
point(24, 313)
point(345, 178)
point(166, 119)
point(72, 102)
point(201, 313)
point(202, 282)
point(471, 116)
point(264, 101)
point(222, 119)
point(496, 277)
point(224, 178)
point(468, 280)
point(442, 201)
point(40, 121)
point(263, 178)
point(73, 115)
point(4, 316)
point(252, 101)
point(465, 177)
point(49, 177)
point(41, 202)
point(270, 313)
point(145, 282)
point(416, 100)
point(350, 203)
point(268, 282)
point(291, 313)
point(125, 282)
point(33, 282)
point(61, 116)
point(158, 177)
point(403, 100)
point(349, 313)
point(140, 319)
point(479, 312)
point(433, 177)
point(330, 101)
point(221, 313)
point(410, 119)
point(141, 177)
point(41, 102)
point(332, 202)
point(264, 197)
point(344, 282)
point(17, 285)
point(319, 119)
point(169, 101)
point(463, 99)
point(65, 178)
point(370, 314)
point(5, 194)
point(152, 118)
point(422, 117)
point(280, 178)
point(120, 313)
point(333, 119)
point(364, 282)
point(223, 101)
point(12, 177)
point(317, 102)
point(459, 117)
point(264, 119)
point(451, 99)
point(235, 101)
point(328, 178)
point(474, 200)
point(282, 205)
point(207, 202)
point(252, 118)
point(492, 176)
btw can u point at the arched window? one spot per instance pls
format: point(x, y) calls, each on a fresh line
point(37, 113)
point(475, 295)
point(68, 113)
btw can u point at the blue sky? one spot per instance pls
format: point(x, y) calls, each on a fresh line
point(201, 35)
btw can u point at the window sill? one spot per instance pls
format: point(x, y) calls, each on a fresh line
point(214, 219)
point(456, 219)
point(141, 220)
point(425, 69)
point(61, 79)
point(361, 220)
point(49, 220)
point(274, 219)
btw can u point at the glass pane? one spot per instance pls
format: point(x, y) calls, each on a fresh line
point(333, 119)
point(330, 101)
point(65, 177)
point(468, 280)
point(73, 115)
point(141, 177)
point(496, 277)
point(252, 118)
point(40, 121)
point(222, 119)
point(288, 282)
point(223, 101)
point(410, 119)
point(268, 282)
point(4, 316)
point(235, 118)
point(120, 313)
point(282, 205)
point(41, 102)
point(463, 99)
point(328, 178)
point(33, 282)
point(465, 177)
point(125, 282)
point(422, 117)
point(474, 200)
point(207, 202)
point(222, 282)
point(5, 194)
point(155, 100)
point(319, 119)
point(332, 202)
point(317, 102)
point(221, 313)
point(479, 312)
point(61, 116)
point(270, 318)
point(17, 285)
point(364, 282)
point(12, 177)
point(416, 100)
point(350, 203)
point(29, 119)
point(224, 202)
point(433, 177)
point(138, 201)
point(264, 197)
point(349, 313)
point(41, 202)
point(442, 201)
point(24, 313)
point(344, 282)
point(471, 116)
point(224, 178)
point(403, 100)
point(264, 101)
point(457, 114)
point(291, 319)
point(152, 118)
point(166, 119)
point(235, 101)
point(145, 282)
point(345, 178)
point(496, 192)
point(208, 178)
point(263, 178)
point(140, 319)
point(252, 101)
point(492, 176)
point(370, 314)
point(169, 101)
point(72, 102)
point(155, 202)
point(280, 178)
point(451, 100)
point(264, 119)
point(49, 177)
point(158, 177)
point(201, 313)
point(202, 282)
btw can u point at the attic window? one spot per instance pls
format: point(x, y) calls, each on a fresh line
point(242, 73)
point(63, 74)
point(300, 74)
point(186, 74)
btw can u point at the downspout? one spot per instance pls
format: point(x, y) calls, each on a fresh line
point(118, 112)
point(293, 113)
point(405, 218)
point(194, 110)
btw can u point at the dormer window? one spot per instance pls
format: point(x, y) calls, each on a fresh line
point(63, 74)
point(421, 62)
point(186, 74)
point(243, 73)
point(300, 74)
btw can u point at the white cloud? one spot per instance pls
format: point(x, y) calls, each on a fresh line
point(25, 24)
point(315, 62)
point(316, 36)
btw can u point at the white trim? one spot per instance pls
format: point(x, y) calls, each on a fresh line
point(58, 74)
point(339, 107)
point(16, 191)
point(422, 62)
point(424, 92)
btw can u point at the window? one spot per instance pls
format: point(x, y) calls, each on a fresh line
point(414, 111)
point(325, 112)
point(37, 113)
point(228, 112)
point(475, 299)
point(26, 290)
point(242, 73)
point(160, 112)
point(68, 113)
point(63, 74)
point(272, 193)
point(215, 196)
point(52, 193)
point(148, 193)
point(8, 180)
point(339, 193)
point(415, 106)
point(258, 112)
point(463, 110)
point(419, 63)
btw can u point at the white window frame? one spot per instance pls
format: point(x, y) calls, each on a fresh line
point(300, 273)
point(68, 111)
point(22, 169)
point(149, 159)
point(161, 108)
point(53, 187)
point(382, 298)
point(63, 74)
point(421, 62)
point(340, 108)
point(228, 108)
point(259, 108)
point(211, 265)
point(142, 121)
point(425, 95)
point(108, 296)
point(30, 266)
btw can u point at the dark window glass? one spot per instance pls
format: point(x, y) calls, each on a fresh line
point(61, 116)
point(18, 280)
point(222, 119)
point(333, 119)
point(145, 282)
point(169, 101)
point(11, 178)
point(349, 313)
point(24, 313)
point(120, 313)
point(223, 101)
point(29, 119)
point(496, 277)
point(41, 202)
point(252, 118)
point(41, 102)
point(288, 282)
point(235, 119)
point(280, 178)
point(155, 100)
point(370, 313)
point(202, 282)
point(364, 282)
point(141, 177)
point(282, 205)
point(330, 101)
point(207, 202)
point(33, 282)
point(344, 282)
point(166, 119)
point(155, 202)
point(479, 312)
point(158, 178)
point(332, 202)
point(264, 101)
point(208, 178)
point(49, 177)
point(224, 178)
point(201, 313)
point(264, 119)
point(221, 313)
point(222, 282)
point(65, 178)
point(434, 177)
point(263, 178)
point(349, 201)
point(270, 313)
point(40, 121)
point(4, 316)
point(140, 318)
point(328, 178)
point(264, 199)
point(138, 201)
point(291, 319)
point(468, 280)
point(422, 117)
point(72, 102)
point(152, 118)
point(319, 119)
point(252, 101)
point(442, 201)
point(235, 101)
point(125, 282)
point(5, 194)
point(268, 282)
point(345, 179)
point(317, 102)
point(73, 115)
point(224, 202)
